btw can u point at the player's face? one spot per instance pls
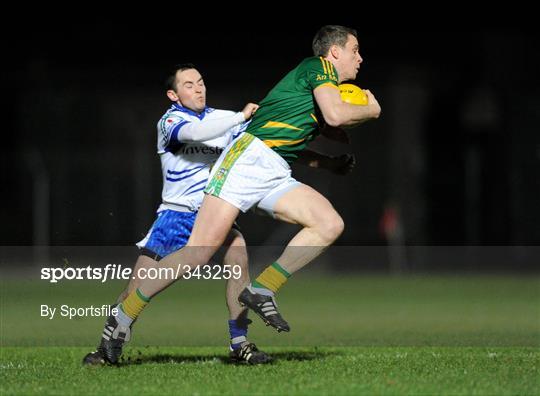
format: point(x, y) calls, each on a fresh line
point(191, 90)
point(350, 59)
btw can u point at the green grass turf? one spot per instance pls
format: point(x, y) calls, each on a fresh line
point(360, 334)
point(341, 370)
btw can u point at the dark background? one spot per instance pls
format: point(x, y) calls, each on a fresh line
point(456, 151)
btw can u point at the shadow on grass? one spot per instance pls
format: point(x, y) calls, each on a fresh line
point(140, 357)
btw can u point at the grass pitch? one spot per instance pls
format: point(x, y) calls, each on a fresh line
point(355, 335)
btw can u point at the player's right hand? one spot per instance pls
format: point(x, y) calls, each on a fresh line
point(373, 103)
point(249, 110)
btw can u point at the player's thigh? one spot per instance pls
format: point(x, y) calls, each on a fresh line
point(213, 223)
point(305, 206)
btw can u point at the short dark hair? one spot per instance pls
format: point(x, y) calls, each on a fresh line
point(170, 83)
point(330, 35)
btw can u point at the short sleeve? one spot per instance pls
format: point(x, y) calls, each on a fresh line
point(320, 71)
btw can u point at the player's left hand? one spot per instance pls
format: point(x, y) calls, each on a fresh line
point(342, 164)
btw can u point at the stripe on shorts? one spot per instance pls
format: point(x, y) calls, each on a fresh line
point(216, 184)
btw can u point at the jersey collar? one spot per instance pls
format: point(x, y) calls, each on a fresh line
point(191, 112)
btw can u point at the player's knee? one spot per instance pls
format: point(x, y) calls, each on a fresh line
point(331, 228)
point(237, 259)
point(236, 254)
point(241, 260)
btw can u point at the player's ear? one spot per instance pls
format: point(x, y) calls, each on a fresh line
point(172, 95)
point(335, 51)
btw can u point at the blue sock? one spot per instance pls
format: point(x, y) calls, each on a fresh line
point(238, 331)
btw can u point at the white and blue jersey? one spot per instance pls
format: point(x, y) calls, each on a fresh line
point(186, 167)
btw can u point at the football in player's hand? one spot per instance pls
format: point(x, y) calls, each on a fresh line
point(352, 94)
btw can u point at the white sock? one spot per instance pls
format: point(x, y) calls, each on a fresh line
point(123, 318)
point(260, 290)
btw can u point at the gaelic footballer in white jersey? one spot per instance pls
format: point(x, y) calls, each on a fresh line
point(188, 144)
point(190, 138)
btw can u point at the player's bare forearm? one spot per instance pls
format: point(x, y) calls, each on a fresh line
point(337, 113)
point(348, 115)
point(352, 115)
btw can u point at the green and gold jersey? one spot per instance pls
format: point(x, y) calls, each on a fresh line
point(286, 120)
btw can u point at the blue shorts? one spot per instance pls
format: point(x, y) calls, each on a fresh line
point(169, 233)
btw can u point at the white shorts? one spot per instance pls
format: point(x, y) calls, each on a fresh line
point(249, 174)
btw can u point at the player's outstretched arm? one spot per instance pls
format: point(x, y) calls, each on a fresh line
point(337, 113)
point(210, 129)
